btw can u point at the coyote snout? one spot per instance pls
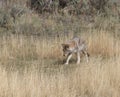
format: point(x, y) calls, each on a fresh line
point(75, 45)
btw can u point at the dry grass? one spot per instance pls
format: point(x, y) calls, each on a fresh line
point(104, 44)
point(95, 79)
point(32, 67)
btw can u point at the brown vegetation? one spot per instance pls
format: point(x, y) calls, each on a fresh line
point(31, 61)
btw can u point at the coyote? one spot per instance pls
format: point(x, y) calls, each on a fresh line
point(75, 45)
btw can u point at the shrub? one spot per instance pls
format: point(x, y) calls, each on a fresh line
point(17, 11)
point(41, 6)
point(4, 19)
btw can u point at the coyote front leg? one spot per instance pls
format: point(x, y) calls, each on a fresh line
point(68, 59)
point(78, 57)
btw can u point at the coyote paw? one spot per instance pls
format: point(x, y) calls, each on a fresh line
point(66, 63)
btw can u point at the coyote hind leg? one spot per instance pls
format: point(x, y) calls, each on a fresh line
point(86, 54)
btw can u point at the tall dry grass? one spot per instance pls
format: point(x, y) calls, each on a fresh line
point(100, 43)
point(32, 67)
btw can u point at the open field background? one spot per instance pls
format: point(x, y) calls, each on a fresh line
point(31, 61)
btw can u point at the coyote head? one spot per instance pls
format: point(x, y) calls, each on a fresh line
point(66, 49)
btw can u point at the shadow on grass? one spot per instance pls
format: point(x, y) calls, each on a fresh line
point(47, 66)
point(63, 61)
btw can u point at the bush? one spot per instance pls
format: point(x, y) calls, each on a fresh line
point(4, 19)
point(41, 6)
point(99, 4)
point(17, 11)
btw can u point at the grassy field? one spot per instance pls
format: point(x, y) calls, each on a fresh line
point(31, 60)
point(33, 67)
